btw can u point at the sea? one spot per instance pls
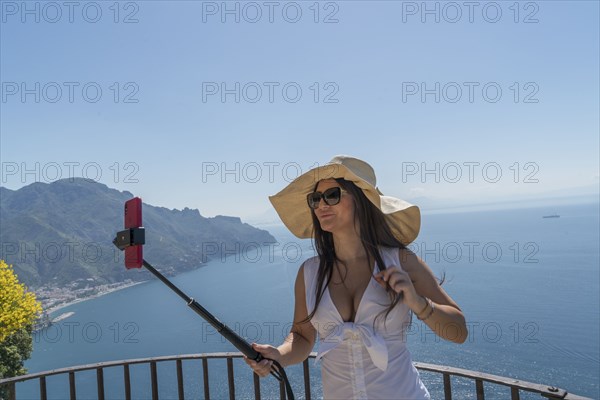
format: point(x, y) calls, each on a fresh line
point(528, 286)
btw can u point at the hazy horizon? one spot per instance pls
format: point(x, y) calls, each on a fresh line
point(579, 195)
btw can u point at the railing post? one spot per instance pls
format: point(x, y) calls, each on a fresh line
point(256, 380)
point(447, 387)
point(154, 378)
point(205, 378)
point(514, 394)
point(100, 383)
point(12, 391)
point(230, 378)
point(43, 395)
point(72, 388)
point(180, 380)
point(306, 370)
point(479, 389)
point(127, 381)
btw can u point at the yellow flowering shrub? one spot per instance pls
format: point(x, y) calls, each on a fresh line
point(18, 307)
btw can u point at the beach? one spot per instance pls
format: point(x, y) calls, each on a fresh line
point(55, 299)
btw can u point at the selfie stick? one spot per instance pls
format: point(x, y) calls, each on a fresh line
point(135, 237)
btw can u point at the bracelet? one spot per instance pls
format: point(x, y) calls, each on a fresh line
point(424, 308)
point(430, 312)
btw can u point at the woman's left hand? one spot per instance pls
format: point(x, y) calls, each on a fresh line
point(400, 282)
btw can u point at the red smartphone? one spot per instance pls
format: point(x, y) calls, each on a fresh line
point(134, 257)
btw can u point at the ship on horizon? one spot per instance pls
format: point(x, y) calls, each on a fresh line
point(551, 216)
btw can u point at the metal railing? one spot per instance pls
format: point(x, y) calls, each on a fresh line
point(515, 386)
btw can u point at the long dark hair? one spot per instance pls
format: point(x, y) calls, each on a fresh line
point(374, 232)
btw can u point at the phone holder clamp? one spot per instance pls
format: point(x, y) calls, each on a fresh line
point(130, 237)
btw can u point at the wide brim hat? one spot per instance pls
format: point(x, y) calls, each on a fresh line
point(403, 218)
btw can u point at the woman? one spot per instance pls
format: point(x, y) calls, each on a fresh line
point(359, 291)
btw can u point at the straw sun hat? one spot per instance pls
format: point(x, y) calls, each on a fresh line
point(290, 203)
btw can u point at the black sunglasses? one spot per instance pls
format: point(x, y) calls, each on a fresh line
point(331, 197)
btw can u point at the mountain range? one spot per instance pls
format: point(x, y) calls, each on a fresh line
point(58, 233)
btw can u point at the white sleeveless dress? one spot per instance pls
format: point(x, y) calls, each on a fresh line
point(357, 362)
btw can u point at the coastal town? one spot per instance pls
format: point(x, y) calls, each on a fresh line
point(55, 298)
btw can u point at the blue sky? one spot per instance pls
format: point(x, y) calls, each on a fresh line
point(159, 129)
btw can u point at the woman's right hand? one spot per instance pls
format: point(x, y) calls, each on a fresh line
point(263, 368)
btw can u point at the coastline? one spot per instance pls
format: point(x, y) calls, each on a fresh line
point(56, 299)
point(101, 292)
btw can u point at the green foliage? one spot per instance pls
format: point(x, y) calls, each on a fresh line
point(18, 311)
point(14, 351)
